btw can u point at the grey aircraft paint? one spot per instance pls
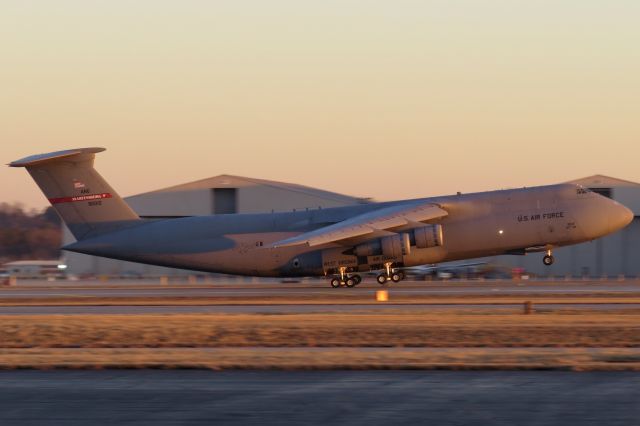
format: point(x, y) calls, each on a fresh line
point(448, 228)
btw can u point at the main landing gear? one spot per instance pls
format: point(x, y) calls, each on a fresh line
point(548, 258)
point(345, 279)
point(390, 275)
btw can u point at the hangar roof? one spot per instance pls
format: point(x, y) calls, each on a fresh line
point(231, 181)
point(623, 191)
point(598, 181)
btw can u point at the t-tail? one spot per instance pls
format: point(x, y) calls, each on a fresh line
point(84, 200)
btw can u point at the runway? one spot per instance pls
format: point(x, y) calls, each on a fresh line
point(425, 325)
point(129, 289)
point(148, 297)
point(156, 397)
point(297, 308)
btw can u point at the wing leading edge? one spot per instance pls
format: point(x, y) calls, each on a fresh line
point(391, 219)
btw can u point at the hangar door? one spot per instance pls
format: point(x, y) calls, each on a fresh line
point(225, 200)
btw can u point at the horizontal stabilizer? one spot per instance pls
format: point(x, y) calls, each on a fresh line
point(39, 159)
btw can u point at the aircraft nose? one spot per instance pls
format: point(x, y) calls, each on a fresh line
point(620, 217)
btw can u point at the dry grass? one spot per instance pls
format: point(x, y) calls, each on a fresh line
point(482, 329)
point(332, 358)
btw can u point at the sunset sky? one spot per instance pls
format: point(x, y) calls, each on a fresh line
point(388, 99)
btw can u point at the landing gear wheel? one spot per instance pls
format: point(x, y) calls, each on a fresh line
point(358, 279)
point(395, 277)
point(548, 260)
point(402, 275)
point(382, 279)
point(350, 282)
point(335, 283)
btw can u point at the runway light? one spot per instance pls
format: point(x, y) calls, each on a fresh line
point(501, 232)
point(382, 296)
point(62, 266)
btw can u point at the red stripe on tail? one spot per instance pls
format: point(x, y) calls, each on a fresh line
point(90, 197)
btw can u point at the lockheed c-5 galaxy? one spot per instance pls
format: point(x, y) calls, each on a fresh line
point(337, 242)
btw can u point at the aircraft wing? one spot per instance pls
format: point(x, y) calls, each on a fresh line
point(384, 221)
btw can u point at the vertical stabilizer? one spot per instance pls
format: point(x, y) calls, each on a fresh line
point(83, 199)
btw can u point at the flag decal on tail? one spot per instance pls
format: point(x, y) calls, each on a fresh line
point(90, 197)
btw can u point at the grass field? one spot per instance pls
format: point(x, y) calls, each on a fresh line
point(577, 331)
point(378, 329)
point(448, 339)
point(574, 359)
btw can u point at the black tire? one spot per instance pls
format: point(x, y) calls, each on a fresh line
point(548, 260)
point(358, 279)
point(382, 279)
point(335, 283)
point(395, 277)
point(350, 282)
point(402, 275)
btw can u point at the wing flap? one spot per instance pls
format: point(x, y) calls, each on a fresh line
point(389, 219)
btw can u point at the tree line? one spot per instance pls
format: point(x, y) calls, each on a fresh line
point(29, 234)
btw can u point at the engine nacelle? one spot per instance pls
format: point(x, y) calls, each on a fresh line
point(368, 249)
point(396, 245)
point(428, 236)
point(393, 246)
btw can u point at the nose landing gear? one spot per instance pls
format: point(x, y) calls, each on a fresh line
point(548, 258)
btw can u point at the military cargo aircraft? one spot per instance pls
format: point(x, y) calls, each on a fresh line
point(340, 243)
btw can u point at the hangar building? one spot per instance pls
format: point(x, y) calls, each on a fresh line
point(612, 256)
point(217, 195)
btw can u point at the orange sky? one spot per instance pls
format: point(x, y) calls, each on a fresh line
point(384, 99)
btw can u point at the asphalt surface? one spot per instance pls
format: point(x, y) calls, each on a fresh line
point(294, 309)
point(155, 397)
point(46, 296)
point(317, 288)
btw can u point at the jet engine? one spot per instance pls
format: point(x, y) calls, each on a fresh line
point(427, 236)
point(394, 246)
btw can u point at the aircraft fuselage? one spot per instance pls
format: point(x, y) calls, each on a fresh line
point(477, 225)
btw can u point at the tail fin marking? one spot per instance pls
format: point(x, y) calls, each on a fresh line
point(82, 198)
